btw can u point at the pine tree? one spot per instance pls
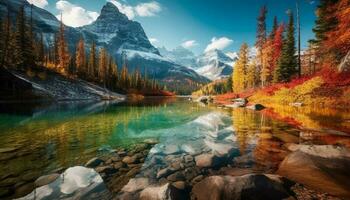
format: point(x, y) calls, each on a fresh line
point(261, 32)
point(2, 42)
point(41, 50)
point(239, 74)
point(92, 62)
point(287, 65)
point(274, 28)
point(80, 60)
point(63, 54)
point(8, 43)
point(325, 21)
point(23, 50)
point(228, 85)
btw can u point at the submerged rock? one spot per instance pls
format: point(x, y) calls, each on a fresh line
point(321, 167)
point(252, 186)
point(44, 180)
point(136, 184)
point(75, 183)
point(94, 162)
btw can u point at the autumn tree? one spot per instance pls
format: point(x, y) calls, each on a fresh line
point(92, 62)
point(102, 65)
point(326, 20)
point(239, 74)
point(80, 59)
point(251, 78)
point(63, 54)
point(337, 37)
point(277, 49)
point(267, 62)
point(124, 77)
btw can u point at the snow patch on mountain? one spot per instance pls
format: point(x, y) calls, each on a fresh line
point(215, 65)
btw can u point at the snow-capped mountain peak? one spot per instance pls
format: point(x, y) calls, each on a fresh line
point(215, 64)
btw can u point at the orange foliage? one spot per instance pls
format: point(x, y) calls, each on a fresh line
point(277, 45)
point(339, 37)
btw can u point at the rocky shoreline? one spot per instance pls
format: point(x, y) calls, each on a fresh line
point(125, 176)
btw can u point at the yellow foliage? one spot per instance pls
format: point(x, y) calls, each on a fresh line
point(284, 96)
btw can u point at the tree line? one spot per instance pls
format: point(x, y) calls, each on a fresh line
point(277, 59)
point(24, 50)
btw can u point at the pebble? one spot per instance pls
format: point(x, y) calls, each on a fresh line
point(94, 162)
point(188, 158)
point(121, 153)
point(165, 172)
point(197, 179)
point(44, 180)
point(129, 159)
point(30, 176)
point(177, 176)
point(181, 185)
point(118, 165)
point(9, 149)
point(106, 170)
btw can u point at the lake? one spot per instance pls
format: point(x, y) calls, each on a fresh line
point(36, 139)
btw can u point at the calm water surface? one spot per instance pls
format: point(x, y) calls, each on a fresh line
point(36, 139)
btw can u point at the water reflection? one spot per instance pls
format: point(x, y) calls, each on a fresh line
point(48, 137)
point(69, 134)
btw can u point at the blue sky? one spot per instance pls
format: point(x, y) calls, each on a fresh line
point(225, 24)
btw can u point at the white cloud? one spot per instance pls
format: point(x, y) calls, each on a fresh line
point(39, 3)
point(189, 44)
point(143, 9)
point(148, 9)
point(153, 41)
point(73, 15)
point(218, 43)
point(123, 8)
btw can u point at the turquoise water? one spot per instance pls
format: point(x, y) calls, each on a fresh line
point(36, 139)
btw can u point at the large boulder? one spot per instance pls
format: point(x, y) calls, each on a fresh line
point(320, 167)
point(251, 186)
point(75, 183)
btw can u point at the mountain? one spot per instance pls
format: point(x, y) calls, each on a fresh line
point(115, 31)
point(124, 39)
point(215, 64)
point(212, 64)
point(180, 55)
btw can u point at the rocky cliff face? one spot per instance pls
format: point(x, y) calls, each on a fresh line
point(115, 31)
